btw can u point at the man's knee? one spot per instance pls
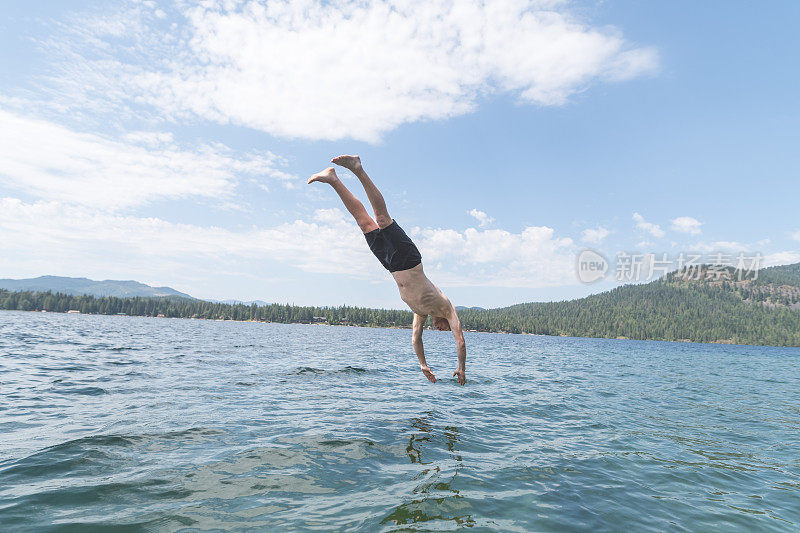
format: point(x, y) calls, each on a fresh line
point(383, 220)
point(367, 225)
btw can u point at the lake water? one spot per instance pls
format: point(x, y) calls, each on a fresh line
point(163, 425)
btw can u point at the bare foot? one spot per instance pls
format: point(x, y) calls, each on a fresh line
point(326, 176)
point(350, 162)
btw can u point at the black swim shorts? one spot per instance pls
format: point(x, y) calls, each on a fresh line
point(393, 248)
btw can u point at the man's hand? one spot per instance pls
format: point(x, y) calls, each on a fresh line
point(461, 377)
point(428, 373)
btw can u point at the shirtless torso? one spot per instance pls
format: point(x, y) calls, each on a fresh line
point(399, 255)
point(424, 298)
point(420, 294)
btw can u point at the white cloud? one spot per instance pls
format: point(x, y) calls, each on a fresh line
point(54, 237)
point(70, 235)
point(149, 138)
point(482, 218)
point(56, 163)
point(796, 235)
point(722, 246)
point(653, 229)
point(595, 235)
point(729, 245)
point(781, 258)
point(532, 258)
point(686, 225)
point(733, 249)
point(345, 69)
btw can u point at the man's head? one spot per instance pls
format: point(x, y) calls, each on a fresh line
point(441, 323)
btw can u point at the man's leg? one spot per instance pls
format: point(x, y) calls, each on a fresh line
point(352, 203)
point(353, 163)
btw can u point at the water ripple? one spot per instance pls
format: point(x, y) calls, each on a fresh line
point(126, 423)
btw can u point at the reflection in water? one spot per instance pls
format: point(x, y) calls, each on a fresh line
point(437, 497)
point(421, 436)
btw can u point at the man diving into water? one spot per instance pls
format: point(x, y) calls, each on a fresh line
point(398, 254)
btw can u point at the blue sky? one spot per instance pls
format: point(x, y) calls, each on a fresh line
point(170, 143)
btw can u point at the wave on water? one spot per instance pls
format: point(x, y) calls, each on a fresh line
point(97, 448)
point(123, 363)
point(67, 388)
point(67, 368)
point(125, 348)
point(302, 370)
point(308, 370)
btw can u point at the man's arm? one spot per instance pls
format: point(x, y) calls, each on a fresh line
point(416, 340)
point(461, 347)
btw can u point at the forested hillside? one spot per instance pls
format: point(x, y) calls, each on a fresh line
point(700, 307)
point(190, 308)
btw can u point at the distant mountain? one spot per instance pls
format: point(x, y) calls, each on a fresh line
point(78, 286)
point(242, 302)
point(465, 308)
